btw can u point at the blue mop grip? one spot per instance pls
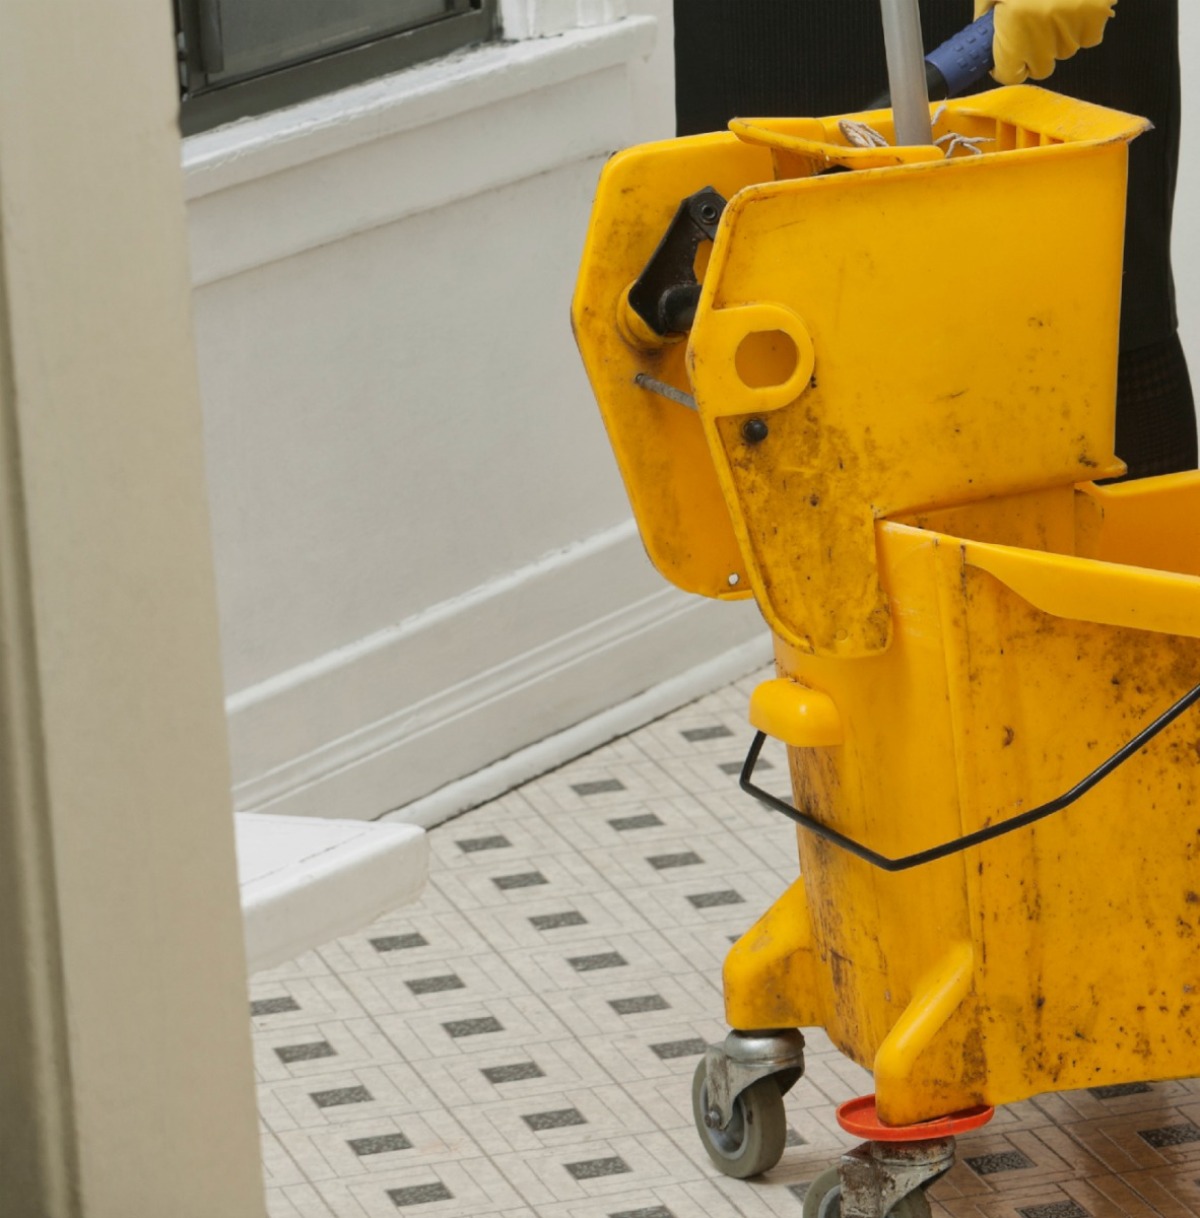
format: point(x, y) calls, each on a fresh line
point(967, 57)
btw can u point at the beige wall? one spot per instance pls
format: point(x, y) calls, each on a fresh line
point(127, 1083)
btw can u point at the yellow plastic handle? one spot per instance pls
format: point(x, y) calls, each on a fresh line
point(788, 711)
point(713, 354)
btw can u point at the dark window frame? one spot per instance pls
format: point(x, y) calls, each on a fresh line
point(204, 105)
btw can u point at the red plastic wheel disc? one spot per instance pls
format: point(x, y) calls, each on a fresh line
point(861, 1118)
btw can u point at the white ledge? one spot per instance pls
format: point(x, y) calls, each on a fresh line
point(306, 881)
point(255, 147)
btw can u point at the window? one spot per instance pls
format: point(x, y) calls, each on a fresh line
point(241, 57)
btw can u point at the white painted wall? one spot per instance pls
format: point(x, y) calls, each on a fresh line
point(424, 553)
point(652, 78)
point(1187, 205)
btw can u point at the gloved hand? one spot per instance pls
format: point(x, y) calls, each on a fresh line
point(1032, 34)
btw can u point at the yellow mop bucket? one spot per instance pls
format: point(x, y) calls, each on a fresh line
point(1035, 635)
point(872, 387)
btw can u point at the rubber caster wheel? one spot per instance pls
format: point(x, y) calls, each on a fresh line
point(824, 1200)
point(754, 1139)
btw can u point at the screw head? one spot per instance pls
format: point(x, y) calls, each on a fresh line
point(712, 1118)
point(755, 431)
point(708, 213)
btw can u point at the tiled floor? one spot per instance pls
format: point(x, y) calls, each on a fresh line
point(521, 1041)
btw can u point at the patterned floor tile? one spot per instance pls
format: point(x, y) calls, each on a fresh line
point(611, 963)
point(634, 1003)
point(514, 1073)
point(380, 1144)
point(670, 1052)
point(475, 1029)
point(634, 827)
point(313, 1050)
point(727, 901)
point(597, 1170)
point(556, 1120)
point(280, 1169)
point(344, 1097)
point(471, 1185)
point(520, 1042)
point(414, 985)
point(414, 936)
point(511, 828)
point(299, 1002)
point(1167, 1191)
point(555, 919)
point(599, 786)
point(507, 882)
point(1127, 1099)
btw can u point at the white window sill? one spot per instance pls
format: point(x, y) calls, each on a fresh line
point(430, 93)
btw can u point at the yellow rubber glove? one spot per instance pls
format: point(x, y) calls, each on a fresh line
point(1031, 35)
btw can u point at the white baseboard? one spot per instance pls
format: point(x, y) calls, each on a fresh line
point(478, 694)
point(494, 780)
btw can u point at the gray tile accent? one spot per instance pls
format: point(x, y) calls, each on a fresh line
point(601, 786)
point(592, 1169)
point(711, 900)
point(419, 1194)
point(436, 985)
point(664, 862)
point(526, 879)
point(384, 1144)
point(735, 767)
point(305, 1053)
point(795, 1139)
point(644, 820)
point(458, 1028)
point(1118, 1090)
point(638, 1006)
point(399, 943)
point(679, 1048)
point(514, 1073)
point(1056, 1209)
point(272, 1006)
point(694, 735)
point(340, 1096)
point(569, 917)
point(800, 1191)
point(559, 1119)
point(472, 845)
point(589, 964)
point(1170, 1135)
point(655, 1211)
point(1005, 1160)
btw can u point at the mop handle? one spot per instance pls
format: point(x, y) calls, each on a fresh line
point(906, 71)
point(957, 64)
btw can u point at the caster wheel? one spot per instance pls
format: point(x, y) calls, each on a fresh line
point(824, 1200)
point(753, 1141)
